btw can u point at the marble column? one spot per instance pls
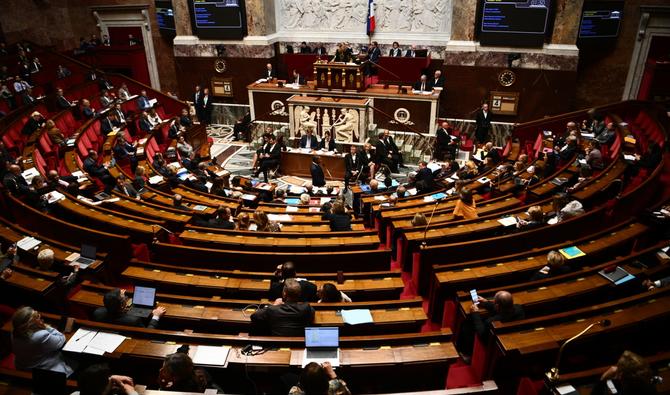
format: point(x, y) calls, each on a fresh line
point(182, 17)
point(566, 22)
point(260, 17)
point(463, 20)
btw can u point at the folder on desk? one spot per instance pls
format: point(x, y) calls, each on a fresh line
point(211, 355)
point(571, 252)
point(618, 276)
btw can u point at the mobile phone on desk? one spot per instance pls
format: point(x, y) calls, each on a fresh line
point(474, 296)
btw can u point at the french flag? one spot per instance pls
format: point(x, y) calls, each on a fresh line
point(371, 17)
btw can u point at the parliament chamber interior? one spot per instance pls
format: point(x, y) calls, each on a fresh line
point(334, 197)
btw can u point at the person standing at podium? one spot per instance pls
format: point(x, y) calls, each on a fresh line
point(423, 85)
point(342, 53)
point(269, 72)
point(318, 178)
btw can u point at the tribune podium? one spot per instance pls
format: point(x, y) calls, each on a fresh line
point(348, 77)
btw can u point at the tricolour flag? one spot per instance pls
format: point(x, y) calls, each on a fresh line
point(371, 17)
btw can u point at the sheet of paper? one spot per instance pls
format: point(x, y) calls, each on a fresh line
point(247, 196)
point(380, 197)
point(211, 355)
point(357, 316)
point(508, 221)
point(566, 390)
point(291, 209)
point(155, 179)
point(428, 199)
point(28, 243)
point(107, 342)
point(631, 158)
point(79, 340)
point(72, 257)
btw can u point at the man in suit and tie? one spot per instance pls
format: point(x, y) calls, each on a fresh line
point(269, 159)
point(126, 188)
point(411, 53)
point(382, 154)
point(206, 106)
point(270, 73)
point(395, 50)
point(438, 80)
point(353, 165)
point(99, 171)
point(445, 143)
point(424, 178)
point(304, 48)
point(115, 311)
point(318, 178)
point(106, 124)
point(482, 124)
point(61, 101)
point(298, 79)
point(308, 140)
point(423, 85)
point(320, 50)
point(367, 161)
point(14, 181)
point(374, 52)
point(197, 95)
point(393, 149)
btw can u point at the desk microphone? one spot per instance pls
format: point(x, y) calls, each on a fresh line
point(425, 230)
point(552, 376)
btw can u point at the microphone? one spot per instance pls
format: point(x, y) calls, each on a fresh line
point(425, 230)
point(552, 376)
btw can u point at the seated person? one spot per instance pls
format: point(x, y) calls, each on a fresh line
point(269, 159)
point(35, 122)
point(631, 375)
point(99, 171)
point(490, 152)
point(555, 267)
point(126, 188)
point(607, 136)
point(116, 307)
point(222, 219)
point(185, 119)
point(424, 179)
point(422, 85)
point(178, 203)
point(594, 158)
point(185, 149)
point(285, 271)
point(339, 220)
point(280, 194)
point(319, 379)
point(286, 316)
point(585, 174)
point(263, 223)
point(465, 208)
point(328, 293)
point(564, 208)
point(124, 151)
point(97, 379)
point(57, 137)
point(649, 284)
point(308, 140)
point(178, 374)
point(154, 119)
point(327, 142)
point(37, 345)
point(535, 219)
point(243, 221)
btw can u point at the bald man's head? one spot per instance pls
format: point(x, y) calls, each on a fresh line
point(504, 301)
point(288, 270)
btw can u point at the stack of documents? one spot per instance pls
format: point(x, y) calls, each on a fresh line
point(93, 342)
point(28, 243)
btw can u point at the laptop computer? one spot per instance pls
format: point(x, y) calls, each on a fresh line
point(143, 301)
point(322, 345)
point(86, 256)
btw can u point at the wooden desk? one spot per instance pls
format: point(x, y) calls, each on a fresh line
point(268, 102)
point(298, 163)
point(401, 69)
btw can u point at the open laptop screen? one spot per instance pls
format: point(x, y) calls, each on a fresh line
point(322, 337)
point(88, 251)
point(144, 296)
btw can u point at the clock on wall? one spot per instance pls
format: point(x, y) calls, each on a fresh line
point(507, 78)
point(220, 65)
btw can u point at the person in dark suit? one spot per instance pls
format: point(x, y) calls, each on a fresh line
point(304, 48)
point(143, 101)
point(374, 52)
point(285, 271)
point(115, 311)
point(422, 85)
point(106, 124)
point(339, 220)
point(286, 316)
point(174, 130)
point(206, 105)
point(221, 221)
point(490, 152)
point(395, 50)
point(36, 121)
point(308, 140)
point(482, 124)
point(327, 142)
point(444, 143)
point(185, 119)
point(396, 156)
point(318, 178)
point(126, 188)
point(14, 181)
point(28, 99)
point(61, 101)
point(269, 159)
point(438, 80)
point(424, 176)
point(320, 50)
point(270, 73)
point(197, 96)
point(353, 163)
point(86, 110)
point(123, 150)
point(412, 52)
point(104, 84)
point(298, 79)
point(98, 171)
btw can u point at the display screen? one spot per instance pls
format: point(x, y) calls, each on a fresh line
point(601, 19)
point(514, 23)
point(219, 19)
point(165, 17)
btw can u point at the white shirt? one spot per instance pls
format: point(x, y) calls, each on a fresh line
point(308, 142)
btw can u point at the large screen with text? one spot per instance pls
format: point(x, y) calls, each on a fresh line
point(514, 23)
point(600, 20)
point(165, 17)
point(219, 19)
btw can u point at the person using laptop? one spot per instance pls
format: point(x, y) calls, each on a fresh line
point(286, 316)
point(116, 309)
point(319, 379)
